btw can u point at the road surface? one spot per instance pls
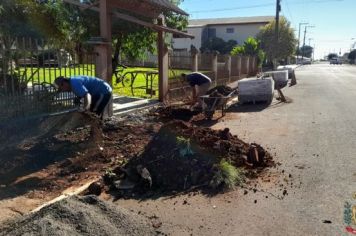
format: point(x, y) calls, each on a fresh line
point(313, 138)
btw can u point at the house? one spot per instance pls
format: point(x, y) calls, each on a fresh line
point(237, 28)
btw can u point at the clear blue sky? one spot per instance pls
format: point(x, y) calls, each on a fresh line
point(334, 20)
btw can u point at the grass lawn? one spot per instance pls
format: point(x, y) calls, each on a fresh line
point(134, 82)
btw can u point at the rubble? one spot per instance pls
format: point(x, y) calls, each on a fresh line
point(81, 216)
point(166, 169)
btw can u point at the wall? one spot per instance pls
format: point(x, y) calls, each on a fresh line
point(241, 33)
point(184, 43)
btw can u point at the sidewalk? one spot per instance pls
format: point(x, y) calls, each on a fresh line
point(124, 104)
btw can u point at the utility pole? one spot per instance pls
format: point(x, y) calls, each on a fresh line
point(278, 9)
point(303, 23)
point(305, 32)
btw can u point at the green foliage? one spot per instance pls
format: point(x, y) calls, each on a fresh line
point(332, 55)
point(68, 26)
point(217, 44)
point(347, 213)
point(352, 56)
point(306, 51)
point(286, 43)
point(184, 146)
point(251, 47)
point(227, 176)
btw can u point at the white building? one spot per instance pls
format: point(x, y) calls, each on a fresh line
point(237, 28)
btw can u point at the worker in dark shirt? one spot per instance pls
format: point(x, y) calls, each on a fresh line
point(96, 92)
point(200, 84)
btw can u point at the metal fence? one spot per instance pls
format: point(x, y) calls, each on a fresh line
point(28, 68)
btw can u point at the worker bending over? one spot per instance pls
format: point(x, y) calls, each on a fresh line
point(96, 92)
point(200, 84)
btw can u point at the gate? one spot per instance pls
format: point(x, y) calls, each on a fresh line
point(28, 68)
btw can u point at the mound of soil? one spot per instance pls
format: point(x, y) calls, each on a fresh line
point(80, 216)
point(181, 156)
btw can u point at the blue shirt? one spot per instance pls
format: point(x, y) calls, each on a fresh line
point(82, 85)
point(197, 78)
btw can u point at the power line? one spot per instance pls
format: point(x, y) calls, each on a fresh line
point(235, 8)
point(261, 5)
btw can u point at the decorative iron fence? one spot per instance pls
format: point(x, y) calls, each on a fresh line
point(28, 68)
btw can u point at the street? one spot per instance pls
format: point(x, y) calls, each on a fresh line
point(313, 137)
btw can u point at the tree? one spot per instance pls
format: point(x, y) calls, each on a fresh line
point(218, 44)
point(251, 47)
point(352, 56)
point(69, 27)
point(332, 55)
point(286, 43)
point(305, 51)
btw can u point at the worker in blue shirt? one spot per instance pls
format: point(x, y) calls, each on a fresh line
point(200, 84)
point(96, 92)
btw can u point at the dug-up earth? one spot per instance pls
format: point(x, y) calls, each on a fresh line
point(140, 156)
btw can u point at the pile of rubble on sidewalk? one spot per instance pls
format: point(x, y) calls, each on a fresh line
point(183, 156)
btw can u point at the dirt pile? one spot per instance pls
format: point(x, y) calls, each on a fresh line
point(181, 156)
point(80, 216)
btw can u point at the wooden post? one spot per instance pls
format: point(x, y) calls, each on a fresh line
point(214, 66)
point(104, 70)
point(103, 67)
point(162, 64)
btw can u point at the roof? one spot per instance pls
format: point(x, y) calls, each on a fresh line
point(165, 4)
point(148, 6)
point(230, 21)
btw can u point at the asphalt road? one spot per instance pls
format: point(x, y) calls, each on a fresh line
point(313, 138)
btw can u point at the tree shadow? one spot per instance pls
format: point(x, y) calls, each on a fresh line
point(257, 106)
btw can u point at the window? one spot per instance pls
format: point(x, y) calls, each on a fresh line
point(230, 30)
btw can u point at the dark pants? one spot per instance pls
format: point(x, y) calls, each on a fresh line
point(99, 102)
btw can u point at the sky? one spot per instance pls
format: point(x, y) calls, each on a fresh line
point(333, 22)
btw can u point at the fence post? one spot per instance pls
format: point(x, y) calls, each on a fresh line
point(239, 67)
point(228, 66)
point(252, 65)
point(194, 54)
point(214, 65)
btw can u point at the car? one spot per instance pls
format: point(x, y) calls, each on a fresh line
point(27, 62)
point(335, 61)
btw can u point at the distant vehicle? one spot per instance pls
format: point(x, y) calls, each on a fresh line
point(27, 62)
point(307, 62)
point(59, 58)
point(335, 61)
point(303, 61)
